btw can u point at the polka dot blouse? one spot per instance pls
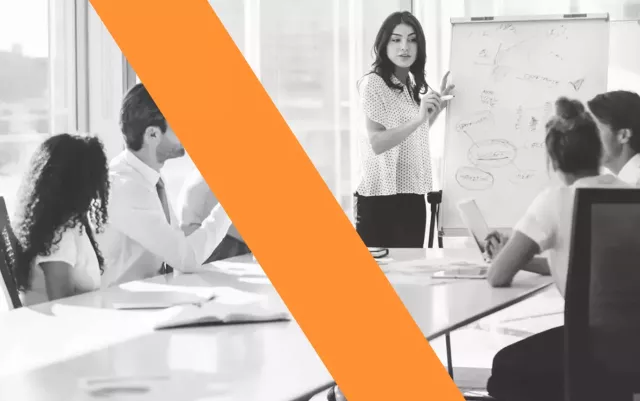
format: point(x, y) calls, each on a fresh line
point(406, 168)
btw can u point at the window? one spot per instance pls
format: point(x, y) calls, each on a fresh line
point(37, 82)
point(308, 57)
point(231, 12)
point(304, 69)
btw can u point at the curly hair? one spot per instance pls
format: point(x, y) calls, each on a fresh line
point(65, 187)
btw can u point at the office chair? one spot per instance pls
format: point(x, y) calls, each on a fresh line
point(7, 247)
point(602, 300)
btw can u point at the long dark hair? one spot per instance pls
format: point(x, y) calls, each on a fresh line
point(66, 187)
point(385, 68)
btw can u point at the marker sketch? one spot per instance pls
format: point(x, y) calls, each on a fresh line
point(577, 84)
point(539, 79)
point(474, 179)
point(523, 176)
point(513, 59)
point(556, 56)
point(488, 97)
point(492, 153)
point(481, 121)
point(519, 117)
point(507, 27)
point(499, 73)
point(535, 145)
point(558, 32)
point(532, 119)
point(533, 124)
point(511, 52)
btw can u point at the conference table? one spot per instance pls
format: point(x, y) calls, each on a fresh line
point(80, 348)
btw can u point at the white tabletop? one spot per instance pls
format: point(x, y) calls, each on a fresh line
point(47, 358)
point(441, 306)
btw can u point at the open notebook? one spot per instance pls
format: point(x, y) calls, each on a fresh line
point(214, 313)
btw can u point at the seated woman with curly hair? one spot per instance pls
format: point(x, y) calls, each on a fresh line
point(61, 204)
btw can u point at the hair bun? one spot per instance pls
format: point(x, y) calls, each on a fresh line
point(569, 109)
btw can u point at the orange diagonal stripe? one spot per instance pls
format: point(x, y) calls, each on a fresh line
point(276, 198)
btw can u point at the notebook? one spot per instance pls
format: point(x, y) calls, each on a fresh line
point(217, 313)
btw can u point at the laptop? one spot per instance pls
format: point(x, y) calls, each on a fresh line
point(475, 222)
point(479, 230)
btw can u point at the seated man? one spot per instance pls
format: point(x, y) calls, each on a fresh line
point(618, 118)
point(195, 203)
point(142, 237)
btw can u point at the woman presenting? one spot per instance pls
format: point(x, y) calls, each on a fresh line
point(399, 107)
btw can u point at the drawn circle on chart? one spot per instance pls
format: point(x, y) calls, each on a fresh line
point(492, 153)
point(520, 177)
point(474, 179)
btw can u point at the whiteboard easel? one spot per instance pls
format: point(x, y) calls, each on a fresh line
point(508, 72)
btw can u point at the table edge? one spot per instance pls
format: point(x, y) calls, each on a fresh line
point(448, 329)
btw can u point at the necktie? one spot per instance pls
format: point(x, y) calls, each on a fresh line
point(162, 194)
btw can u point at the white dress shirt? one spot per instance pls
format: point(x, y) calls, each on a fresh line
point(630, 173)
point(138, 238)
point(195, 202)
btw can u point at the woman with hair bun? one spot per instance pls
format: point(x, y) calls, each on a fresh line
point(533, 368)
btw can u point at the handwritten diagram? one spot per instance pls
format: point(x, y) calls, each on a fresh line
point(505, 134)
point(502, 52)
point(487, 155)
point(508, 74)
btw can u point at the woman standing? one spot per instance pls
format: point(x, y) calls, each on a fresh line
point(399, 108)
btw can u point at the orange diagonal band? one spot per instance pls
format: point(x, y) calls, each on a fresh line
point(277, 200)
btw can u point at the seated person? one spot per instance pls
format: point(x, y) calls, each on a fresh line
point(143, 237)
point(195, 203)
point(617, 114)
point(533, 368)
point(62, 203)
